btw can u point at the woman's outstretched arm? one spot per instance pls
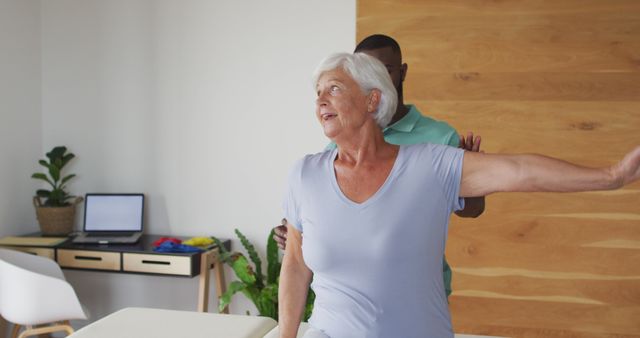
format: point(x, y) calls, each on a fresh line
point(483, 174)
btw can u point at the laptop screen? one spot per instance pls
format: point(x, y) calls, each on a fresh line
point(113, 212)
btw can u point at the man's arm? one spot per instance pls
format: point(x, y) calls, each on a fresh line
point(483, 174)
point(473, 206)
point(295, 278)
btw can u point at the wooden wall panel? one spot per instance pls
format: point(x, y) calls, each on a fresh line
point(525, 86)
point(555, 77)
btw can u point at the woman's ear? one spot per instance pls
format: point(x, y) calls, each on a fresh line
point(373, 100)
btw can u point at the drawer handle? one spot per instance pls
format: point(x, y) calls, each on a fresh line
point(155, 262)
point(88, 258)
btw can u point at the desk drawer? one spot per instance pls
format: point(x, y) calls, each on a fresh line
point(43, 252)
point(83, 259)
point(160, 264)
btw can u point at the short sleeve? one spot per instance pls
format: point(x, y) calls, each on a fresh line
point(292, 196)
point(447, 163)
point(454, 139)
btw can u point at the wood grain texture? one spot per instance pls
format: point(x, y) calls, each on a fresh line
point(376, 10)
point(564, 129)
point(526, 86)
point(521, 43)
point(541, 319)
point(560, 78)
point(547, 287)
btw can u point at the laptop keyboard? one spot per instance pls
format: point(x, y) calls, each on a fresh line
point(109, 234)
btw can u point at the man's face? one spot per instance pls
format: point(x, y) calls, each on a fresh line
point(393, 62)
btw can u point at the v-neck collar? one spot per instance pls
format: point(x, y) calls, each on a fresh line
point(377, 194)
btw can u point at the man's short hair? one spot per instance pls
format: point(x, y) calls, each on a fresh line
point(377, 41)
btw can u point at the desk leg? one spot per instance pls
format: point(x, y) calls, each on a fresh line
point(3, 326)
point(208, 260)
point(221, 285)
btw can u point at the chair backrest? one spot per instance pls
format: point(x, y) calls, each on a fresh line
point(38, 264)
point(33, 290)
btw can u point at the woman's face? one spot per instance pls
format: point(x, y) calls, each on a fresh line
point(341, 106)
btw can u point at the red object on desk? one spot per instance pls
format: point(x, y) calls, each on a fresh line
point(166, 239)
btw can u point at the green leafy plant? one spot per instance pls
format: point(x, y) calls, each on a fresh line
point(57, 196)
point(260, 289)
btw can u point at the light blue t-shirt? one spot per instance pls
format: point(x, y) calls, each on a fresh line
point(416, 128)
point(377, 265)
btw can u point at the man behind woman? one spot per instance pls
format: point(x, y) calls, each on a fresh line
point(409, 126)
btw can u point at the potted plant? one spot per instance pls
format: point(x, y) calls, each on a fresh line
point(262, 290)
point(57, 213)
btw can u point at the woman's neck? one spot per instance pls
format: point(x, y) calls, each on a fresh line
point(368, 145)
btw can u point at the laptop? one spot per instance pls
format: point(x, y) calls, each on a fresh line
point(112, 219)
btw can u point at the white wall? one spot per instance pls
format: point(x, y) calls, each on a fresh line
point(202, 105)
point(20, 117)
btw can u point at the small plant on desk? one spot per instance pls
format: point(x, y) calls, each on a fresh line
point(57, 196)
point(56, 215)
point(260, 289)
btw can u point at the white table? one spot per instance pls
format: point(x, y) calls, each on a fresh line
point(158, 323)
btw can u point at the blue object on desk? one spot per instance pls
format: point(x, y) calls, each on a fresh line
point(168, 246)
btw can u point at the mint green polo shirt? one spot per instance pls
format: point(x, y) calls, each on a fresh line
point(416, 128)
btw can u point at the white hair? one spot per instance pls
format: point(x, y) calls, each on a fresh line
point(370, 74)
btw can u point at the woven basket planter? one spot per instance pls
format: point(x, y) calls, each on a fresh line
point(56, 221)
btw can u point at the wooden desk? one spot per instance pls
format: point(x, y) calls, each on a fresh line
point(136, 258)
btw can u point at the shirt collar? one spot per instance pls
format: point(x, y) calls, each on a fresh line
point(406, 123)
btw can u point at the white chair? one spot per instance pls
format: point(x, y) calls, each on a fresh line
point(33, 292)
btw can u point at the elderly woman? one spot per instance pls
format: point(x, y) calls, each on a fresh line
point(374, 215)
